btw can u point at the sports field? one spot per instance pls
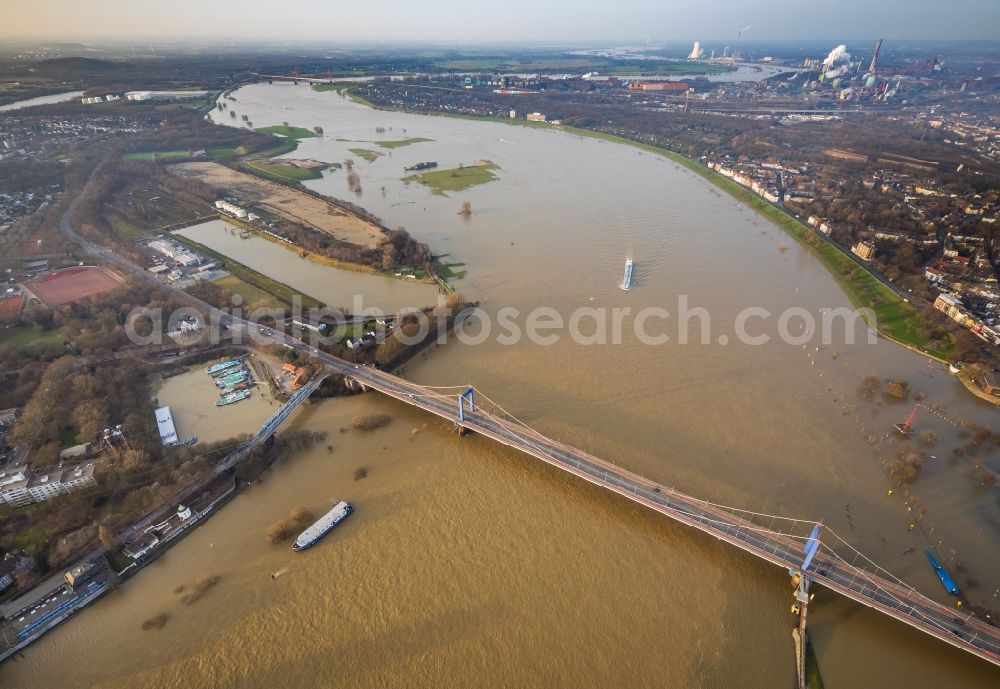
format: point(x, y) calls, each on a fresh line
point(9, 308)
point(71, 284)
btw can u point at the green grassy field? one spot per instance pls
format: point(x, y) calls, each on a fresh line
point(156, 155)
point(29, 334)
point(448, 271)
point(251, 295)
point(370, 156)
point(286, 172)
point(283, 146)
point(455, 179)
point(401, 142)
point(290, 132)
point(211, 154)
point(334, 86)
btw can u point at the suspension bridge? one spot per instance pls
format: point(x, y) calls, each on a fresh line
point(803, 547)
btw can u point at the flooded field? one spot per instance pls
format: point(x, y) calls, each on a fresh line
point(332, 286)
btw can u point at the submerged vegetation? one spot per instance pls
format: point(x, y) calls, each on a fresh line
point(370, 422)
point(283, 529)
point(156, 622)
point(202, 585)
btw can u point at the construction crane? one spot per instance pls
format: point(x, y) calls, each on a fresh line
point(906, 427)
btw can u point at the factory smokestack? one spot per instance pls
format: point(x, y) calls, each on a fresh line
point(696, 53)
point(878, 51)
point(836, 63)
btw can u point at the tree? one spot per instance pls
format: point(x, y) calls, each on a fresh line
point(105, 536)
point(898, 389)
point(90, 418)
point(134, 459)
point(39, 315)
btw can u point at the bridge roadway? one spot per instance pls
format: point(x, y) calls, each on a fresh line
point(861, 585)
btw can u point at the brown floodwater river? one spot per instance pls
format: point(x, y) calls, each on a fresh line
point(468, 564)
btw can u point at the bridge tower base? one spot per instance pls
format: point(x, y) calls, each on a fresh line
point(800, 608)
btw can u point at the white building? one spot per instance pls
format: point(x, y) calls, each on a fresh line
point(19, 487)
point(138, 95)
point(187, 259)
point(231, 209)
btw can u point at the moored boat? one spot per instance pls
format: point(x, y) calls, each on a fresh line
point(946, 580)
point(241, 385)
point(322, 526)
point(232, 378)
point(222, 366)
point(232, 398)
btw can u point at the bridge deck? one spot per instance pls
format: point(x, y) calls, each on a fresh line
point(859, 584)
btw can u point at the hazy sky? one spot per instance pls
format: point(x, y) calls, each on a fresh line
point(456, 21)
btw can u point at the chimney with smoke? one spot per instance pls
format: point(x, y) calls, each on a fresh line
point(837, 62)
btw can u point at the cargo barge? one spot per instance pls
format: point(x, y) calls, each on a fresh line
point(627, 277)
point(323, 525)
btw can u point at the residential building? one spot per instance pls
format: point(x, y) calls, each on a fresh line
point(933, 274)
point(19, 487)
point(81, 574)
point(864, 250)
